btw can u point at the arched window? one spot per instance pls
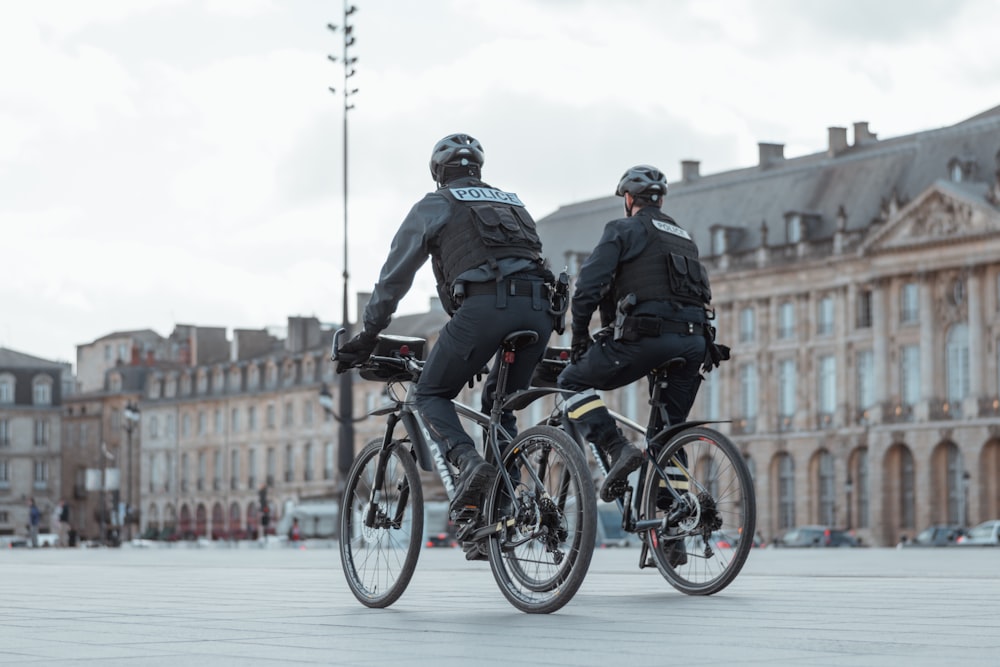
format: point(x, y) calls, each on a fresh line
point(786, 492)
point(42, 390)
point(953, 484)
point(6, 388)
point(907, 490)
point(826, 491)
point(861, 477)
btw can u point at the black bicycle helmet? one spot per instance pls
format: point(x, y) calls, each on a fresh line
point(643, 181)
point(455, 150)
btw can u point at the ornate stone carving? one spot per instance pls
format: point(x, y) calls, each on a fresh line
point(942, 217)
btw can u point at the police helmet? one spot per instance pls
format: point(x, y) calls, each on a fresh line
point(643, 181)
point(455, 150)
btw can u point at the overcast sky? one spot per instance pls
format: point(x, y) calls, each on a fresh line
point(180, 161)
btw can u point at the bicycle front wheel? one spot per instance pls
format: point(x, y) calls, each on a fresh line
point(707, 549)
point(541, 556)
point(381, 523)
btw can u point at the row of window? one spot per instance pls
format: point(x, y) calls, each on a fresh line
point(239, 419)
point(41, 389)
point(909, 312)
point(957, 381)
point(235, 380)
point(42, 432)
point(41, 473)
point(163, 474)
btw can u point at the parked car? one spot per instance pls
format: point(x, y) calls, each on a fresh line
point(817, 536)
point(937, 536)
point(985, 534)
point(440, 540)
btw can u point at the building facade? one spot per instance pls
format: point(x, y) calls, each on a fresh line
point(860, 291)
point(32, 391)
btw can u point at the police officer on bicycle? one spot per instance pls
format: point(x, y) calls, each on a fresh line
point(492, 280)
point(645, 277)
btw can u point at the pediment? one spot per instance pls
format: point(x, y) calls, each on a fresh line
point(941, 214)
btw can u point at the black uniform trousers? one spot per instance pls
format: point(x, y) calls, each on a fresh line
point(610, 364)
point(466, 344)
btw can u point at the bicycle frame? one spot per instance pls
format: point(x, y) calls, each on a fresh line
point(427, 451)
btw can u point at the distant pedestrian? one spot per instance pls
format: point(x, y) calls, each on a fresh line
point(63, 522)
point(294, 533)
point(34, 518)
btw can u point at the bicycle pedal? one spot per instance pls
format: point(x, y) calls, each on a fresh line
point(466, 514)
point(465, 529)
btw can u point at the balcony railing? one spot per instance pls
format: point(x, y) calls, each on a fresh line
point(896, 413)
point(744, 426)
point(785, 424)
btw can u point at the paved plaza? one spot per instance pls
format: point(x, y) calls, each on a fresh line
point(253, 606)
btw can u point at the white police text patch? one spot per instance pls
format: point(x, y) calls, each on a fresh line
point(486, 194)
point(671, 229)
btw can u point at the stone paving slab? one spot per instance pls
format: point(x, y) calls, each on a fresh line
point(171, 607)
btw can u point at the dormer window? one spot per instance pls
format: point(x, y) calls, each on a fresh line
point(794, 231)
point(719, 241)
point(956, 171)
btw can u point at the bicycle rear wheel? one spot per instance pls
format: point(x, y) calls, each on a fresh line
point(707, 549)
point(541, 556)
point(381, 524)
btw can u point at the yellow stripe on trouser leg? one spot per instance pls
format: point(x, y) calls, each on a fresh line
point(585, 404)
point(677, 479)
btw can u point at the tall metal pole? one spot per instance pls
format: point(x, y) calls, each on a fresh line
point(345, 449)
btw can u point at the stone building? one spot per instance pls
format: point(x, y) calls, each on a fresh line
point(32, 391)
point(860, 290)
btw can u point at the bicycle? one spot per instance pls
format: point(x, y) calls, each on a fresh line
point(538, 522)
point(696, 512)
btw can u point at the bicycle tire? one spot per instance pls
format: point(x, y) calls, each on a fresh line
point(379, 560)
point(713, 558)
point(542, 573)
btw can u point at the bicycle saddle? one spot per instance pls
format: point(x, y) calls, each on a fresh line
point(515, 340)
point(673, 364)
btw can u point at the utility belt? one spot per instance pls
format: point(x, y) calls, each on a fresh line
point(532, 287)
point(634, 327)
point(507, 287)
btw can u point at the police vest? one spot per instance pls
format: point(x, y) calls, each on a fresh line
point(486, 225)
point(667, 269)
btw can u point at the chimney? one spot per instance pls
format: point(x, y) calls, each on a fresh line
point(862, 135)
point(837, 140)
point(689, 170)
point(363, 299)
point(771, 154)
point(136, 355)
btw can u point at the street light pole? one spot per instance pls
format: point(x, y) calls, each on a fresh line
point(345, 448)
point(131, 419)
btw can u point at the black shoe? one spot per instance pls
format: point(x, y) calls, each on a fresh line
point(628, 459)
point(474, 551)
point(474, 478)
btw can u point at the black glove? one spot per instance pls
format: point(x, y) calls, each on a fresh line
point(714, 355)
point(356, 351)
point(581, 343)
